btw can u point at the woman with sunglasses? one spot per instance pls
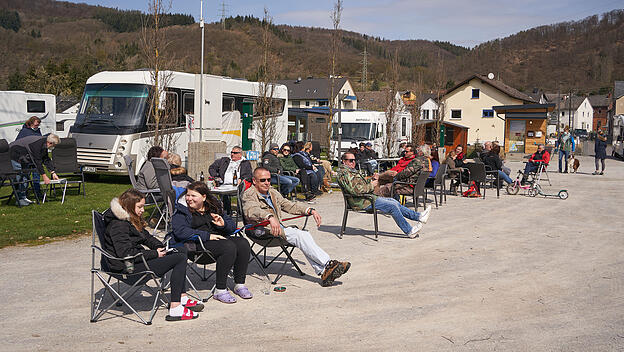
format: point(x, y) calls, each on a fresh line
point(203, 216)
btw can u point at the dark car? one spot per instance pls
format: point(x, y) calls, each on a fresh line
point(581, 133)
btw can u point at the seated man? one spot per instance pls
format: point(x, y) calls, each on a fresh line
point(225, 170)
point(273, 164)
point(146, 179)
point(262, 202)
point(372, 155)
point(32, 151)
point(541, 156)
point(353, 183)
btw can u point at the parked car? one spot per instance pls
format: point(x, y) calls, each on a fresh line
point(581, 133)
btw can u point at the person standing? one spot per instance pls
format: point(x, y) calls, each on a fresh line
point(600, 151)
point(565, 143)
point(31, 128)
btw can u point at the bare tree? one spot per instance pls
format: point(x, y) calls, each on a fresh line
point(265, 121)
point(335, 16)
point(439, 86)
point(392, 107)
point(163, 105)
point(418, 130)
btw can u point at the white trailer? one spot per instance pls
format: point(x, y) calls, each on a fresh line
point(17, 106)
point(369, 126)
point(112, 120)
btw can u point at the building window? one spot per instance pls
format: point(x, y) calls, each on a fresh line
point(323, 103)
point(295, 103)
point(425, 114)
point(456, 114)
point(435, 114)
point(475, 94)
point(307, 103)
point(404, 127)
point(488, 113)
point(35, 106)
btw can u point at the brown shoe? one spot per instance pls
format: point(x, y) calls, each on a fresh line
point(345, 266)
point(332, 271)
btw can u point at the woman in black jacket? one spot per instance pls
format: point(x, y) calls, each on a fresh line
point(494, 162)
point(126, 236)
point(203, 216)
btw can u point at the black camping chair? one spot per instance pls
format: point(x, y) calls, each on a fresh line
point(8, 174)
point(476, 173)
point(135, 280)
point(262, 237)
point(65, 157)
point(439, 185)
point(150, 194)
point(348, 208)
point(167, 193)
point(418, 189)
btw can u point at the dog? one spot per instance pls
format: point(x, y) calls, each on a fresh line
point(573, 164)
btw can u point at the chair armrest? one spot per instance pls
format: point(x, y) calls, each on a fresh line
point(403, 183)
point(110, 256)
point(153, 190)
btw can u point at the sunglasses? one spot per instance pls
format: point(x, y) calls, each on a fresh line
point(275, 149)
point(262, 180)
point(349, 160)
point(236, 152)
point(285, 150)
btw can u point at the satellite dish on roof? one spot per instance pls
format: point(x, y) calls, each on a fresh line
point(490, 75)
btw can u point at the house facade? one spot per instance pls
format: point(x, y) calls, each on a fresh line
point(576, 112)
point(600, 104)
point(314, 93)
point(470, 103)
point(429, 110)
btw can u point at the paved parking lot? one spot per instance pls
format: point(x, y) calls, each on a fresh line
point(515, 273)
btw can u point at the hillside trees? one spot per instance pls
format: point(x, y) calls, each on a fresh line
point(10, 20)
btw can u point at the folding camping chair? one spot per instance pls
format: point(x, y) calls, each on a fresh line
point(135, 280)
point(150, 194)
point(8, 174)
point(262, 237)
point(65, 157)
point(167, 193)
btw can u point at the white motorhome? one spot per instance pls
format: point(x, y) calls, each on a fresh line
point(17, 106)
point(112, 120)
point(369, 126)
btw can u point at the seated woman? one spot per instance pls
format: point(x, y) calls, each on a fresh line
point(204, 216)
point(492, 160)
point(454, 171)
point(435, 165)
point(304, 162)
point(126, 235)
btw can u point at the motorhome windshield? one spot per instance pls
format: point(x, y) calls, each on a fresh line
point(353, 131)
point(112, 108)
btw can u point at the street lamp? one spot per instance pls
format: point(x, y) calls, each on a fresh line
point(201, 76)
point(341, 96)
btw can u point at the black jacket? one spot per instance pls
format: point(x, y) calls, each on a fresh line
point(272, 163)
point(182, 221)
point(218, 168)
point(492, 160)
point(122, 239)
point(38, 152)
point(27, 131)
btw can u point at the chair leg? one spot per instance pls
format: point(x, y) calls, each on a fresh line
point(344, 222)
point(376, 224)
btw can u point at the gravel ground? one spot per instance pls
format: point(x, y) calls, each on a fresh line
point(514, 273)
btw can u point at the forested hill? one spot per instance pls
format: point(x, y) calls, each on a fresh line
point(52, 46)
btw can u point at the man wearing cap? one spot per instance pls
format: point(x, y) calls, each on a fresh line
point(272, 163)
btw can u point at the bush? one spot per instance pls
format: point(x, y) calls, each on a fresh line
point(10, 20)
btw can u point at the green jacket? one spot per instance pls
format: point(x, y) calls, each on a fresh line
point(353, 183)
point(288, 163)
point(412, 171)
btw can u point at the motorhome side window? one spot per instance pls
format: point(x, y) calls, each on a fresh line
point(35, 106)
point(189, 104)
point(228, 104)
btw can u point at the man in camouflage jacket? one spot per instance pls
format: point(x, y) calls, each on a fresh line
point(361, 198)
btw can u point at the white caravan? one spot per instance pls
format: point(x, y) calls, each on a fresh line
point(369, 126)
point(17, 106)
point(113, 117)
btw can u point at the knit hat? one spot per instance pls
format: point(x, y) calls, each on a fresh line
point(273, 146)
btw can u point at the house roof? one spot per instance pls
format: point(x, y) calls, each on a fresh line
point(375, 101)
point(512, 92)
point(311, 88)
point(565, 104)
point(426, 122)
point(599, 100)
point(619, 89)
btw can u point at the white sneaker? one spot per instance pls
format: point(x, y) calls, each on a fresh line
point(28, 200)
point(424, 216)
point(415, 229)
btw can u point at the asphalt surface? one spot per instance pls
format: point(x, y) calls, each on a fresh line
point(514, 273)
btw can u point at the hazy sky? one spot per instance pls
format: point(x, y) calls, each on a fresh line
point(462, 22)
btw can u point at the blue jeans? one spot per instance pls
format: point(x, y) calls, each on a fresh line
point(397, 211)
point(20, 177)
point(503, 176)
point(563, 153)
point(287, 183)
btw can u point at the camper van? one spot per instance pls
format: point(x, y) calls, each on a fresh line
point(17, 106)
point(113, 119)
point(369, 126)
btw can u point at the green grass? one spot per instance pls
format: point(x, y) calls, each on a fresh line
point(43, 222)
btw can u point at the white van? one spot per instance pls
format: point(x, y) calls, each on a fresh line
point(17, 106)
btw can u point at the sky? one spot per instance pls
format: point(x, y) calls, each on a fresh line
point(462, 22)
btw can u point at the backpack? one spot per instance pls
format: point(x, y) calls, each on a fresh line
point(473, 191)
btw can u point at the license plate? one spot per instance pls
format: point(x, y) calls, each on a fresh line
point(89, 169)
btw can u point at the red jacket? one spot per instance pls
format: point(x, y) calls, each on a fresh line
point(545, 157)
point(402, 164)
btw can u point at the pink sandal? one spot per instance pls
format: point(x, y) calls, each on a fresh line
point(225, 297)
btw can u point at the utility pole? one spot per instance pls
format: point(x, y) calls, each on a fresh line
point(364, 79)
point(201, 76)
point(340, 98)
point(570, 111)
point(558, 110)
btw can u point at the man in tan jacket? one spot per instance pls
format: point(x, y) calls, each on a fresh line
point(262, 202)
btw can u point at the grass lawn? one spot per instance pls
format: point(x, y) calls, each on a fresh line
point(41, 222)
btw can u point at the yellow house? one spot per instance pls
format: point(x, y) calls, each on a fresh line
point(470, 103)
